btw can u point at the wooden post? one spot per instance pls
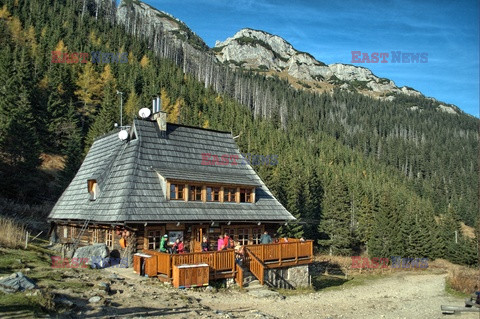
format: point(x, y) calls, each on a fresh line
point(215, 263)
point(263, 252)
point(169, 267)
point(26, 240)
point(311, 250)
point(296, 252)
point(280, 254)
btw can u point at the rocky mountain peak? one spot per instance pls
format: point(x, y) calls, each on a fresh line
point(265, 52)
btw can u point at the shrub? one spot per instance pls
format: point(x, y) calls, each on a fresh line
point(464, 279)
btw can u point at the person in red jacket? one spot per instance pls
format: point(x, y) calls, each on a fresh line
point(226, 241)
point(178, 247)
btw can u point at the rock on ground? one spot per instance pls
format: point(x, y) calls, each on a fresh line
point(96, 254)
point(16, 282)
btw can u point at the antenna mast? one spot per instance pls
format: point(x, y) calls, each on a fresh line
point(121, 108)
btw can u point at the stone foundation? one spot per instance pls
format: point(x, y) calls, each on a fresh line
point(289, 277)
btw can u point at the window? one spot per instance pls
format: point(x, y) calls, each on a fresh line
point(230, 232)
point(65, 232)
point(96, 236)
point(229, 194)
point(92, 188)
point(213, 194)
point(245, 195)
point(176, 191)
point(153, 237)
point(195, 193)
point(109, 238)
point(242, 234)
point(73, 232)
point(256, 234)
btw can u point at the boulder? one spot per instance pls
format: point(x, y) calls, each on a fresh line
point(16, 282)
point(97, 255)
point(94, 299)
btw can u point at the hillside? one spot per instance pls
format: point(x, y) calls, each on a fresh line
point(382, 172)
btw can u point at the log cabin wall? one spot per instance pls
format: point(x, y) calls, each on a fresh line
point(148, 236)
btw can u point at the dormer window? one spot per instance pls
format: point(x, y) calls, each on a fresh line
point(213, 194)
point(209, 192)
point(177, 191)
point(245, 195)
point(195, 193)
point(92, 188)
point(229, 194)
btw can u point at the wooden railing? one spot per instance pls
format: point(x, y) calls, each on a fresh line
point(257, 258)
point(292, 250)
point(255, 265)
point(239, 275)
point(217, 260)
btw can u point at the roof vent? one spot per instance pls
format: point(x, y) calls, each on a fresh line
point(156, 105)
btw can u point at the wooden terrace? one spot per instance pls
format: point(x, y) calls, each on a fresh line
point(222, 264)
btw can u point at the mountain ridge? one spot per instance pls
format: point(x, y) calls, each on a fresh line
point(267, 54)
point(262, 51)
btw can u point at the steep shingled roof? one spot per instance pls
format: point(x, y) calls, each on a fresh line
point(129, 179)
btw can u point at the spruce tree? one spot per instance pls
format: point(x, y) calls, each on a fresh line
point(334, 228)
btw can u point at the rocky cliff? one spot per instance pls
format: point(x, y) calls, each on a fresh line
point(262, 51)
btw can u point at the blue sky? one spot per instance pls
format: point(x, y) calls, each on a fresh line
point(330, 30)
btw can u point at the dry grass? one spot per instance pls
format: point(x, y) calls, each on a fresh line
point(13, 233)
point(52, 163)
point(463, 279)
point(467, 230)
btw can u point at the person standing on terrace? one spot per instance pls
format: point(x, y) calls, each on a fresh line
point(265, 238)
point(220, 243)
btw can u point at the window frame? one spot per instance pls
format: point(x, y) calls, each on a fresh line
point(196, 192)
point(96, 236)
point(248, 195)
point(92, 187)
point(109, 238)
point(177, 191)
point(229, 197)
point(209, 192)
point(215, 192)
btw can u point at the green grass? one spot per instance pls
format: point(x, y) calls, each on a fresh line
point(38, 260)
point(449, 290)
point(332, 282)
point(32, 305)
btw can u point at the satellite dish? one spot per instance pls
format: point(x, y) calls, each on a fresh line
point(123, 135)
point(144, 112)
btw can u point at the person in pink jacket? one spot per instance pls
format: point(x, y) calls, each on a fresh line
point(220, 243)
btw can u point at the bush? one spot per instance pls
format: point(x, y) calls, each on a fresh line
point(13, 234)
point(464, 280)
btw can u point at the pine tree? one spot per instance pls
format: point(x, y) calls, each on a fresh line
point(105, 120)
point(89, 92)
point(335, 221)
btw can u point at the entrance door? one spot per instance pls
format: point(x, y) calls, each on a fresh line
point(198, 232)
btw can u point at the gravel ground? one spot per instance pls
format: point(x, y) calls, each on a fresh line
point(400, 295)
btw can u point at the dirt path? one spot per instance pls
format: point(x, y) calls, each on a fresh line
point(402, 295)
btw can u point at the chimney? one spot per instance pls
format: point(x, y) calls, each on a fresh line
point(160, 117)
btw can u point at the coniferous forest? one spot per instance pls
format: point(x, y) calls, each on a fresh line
point(360, 174)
